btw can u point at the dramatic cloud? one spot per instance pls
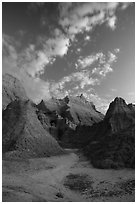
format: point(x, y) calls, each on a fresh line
point(32, 59)
point(57, 46)
point(105, 67)
point(30, 63)
point(72, 18)
point(82, 78)
point(36, 88)
point(102, 71)
point(84, 62)
point(103, 62)
point(79, 17)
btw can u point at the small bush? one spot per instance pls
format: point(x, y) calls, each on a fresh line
point(78, 182)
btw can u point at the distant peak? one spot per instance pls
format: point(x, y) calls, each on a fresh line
point(117, 106)
point(119, 100)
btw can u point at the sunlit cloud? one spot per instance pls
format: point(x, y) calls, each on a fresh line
point(78, 17)
point(103, 62)
point(112, 22)
point(31, 62)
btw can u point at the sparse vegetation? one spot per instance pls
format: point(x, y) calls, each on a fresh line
point(84, 185)
point(114, 151)
point(78, 182)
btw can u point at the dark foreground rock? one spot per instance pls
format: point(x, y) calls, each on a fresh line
point(112, 141)
point(24, 135)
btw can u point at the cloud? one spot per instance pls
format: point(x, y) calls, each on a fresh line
point(37, 89)
point(112, 22)
point(9, 55)
point(72, 83)
point(32, 61)
point(83, 78)
point(24, 68)
point(84, 62)
point(27, 65)
point(77, 83)
point(116, 50)
point(103, 62)
point(78, 17)
point(58, 45)
point(105, 67)
point(34, 58)
point(87, 38)
point(102, 71)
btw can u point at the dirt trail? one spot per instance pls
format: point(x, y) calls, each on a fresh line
point(43, 179)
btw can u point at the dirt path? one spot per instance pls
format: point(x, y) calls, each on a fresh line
point(56, 178)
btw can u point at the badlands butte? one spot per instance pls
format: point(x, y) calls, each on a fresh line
point(65, 149)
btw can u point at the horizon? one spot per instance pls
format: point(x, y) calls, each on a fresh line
point(58, 49)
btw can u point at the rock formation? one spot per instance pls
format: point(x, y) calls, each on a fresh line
point(120, 115)
point(31, 130)
point(75, 109)
point(112, 141)
point(65, 114)
point(24, 134)
point(11, 90)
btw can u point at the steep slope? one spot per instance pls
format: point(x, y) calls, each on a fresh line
point(120, 115)
point(75, 109)
point(112, 142)
point(65, 115)
point(83, 112)
point(23, 133)
point(11, 90)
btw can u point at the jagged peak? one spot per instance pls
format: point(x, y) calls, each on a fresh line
point(119, 100)
point(118, 105)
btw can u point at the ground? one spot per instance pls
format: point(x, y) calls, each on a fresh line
point(65, 178)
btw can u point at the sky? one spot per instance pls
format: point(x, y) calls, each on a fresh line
point(57, 49)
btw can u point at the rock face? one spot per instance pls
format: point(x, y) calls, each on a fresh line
point(23, 133)
point(69, 113)
point(75, 109)
point(112, 141)
point(83, 112)
point(11, 90)
point(120, 115)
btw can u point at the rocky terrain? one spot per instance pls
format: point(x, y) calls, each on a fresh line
point(22, 133)
point(65, 178)
point(77, 110)
point(66, 115)
point(11, 90)
point(113, 139)
point(34, 142)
